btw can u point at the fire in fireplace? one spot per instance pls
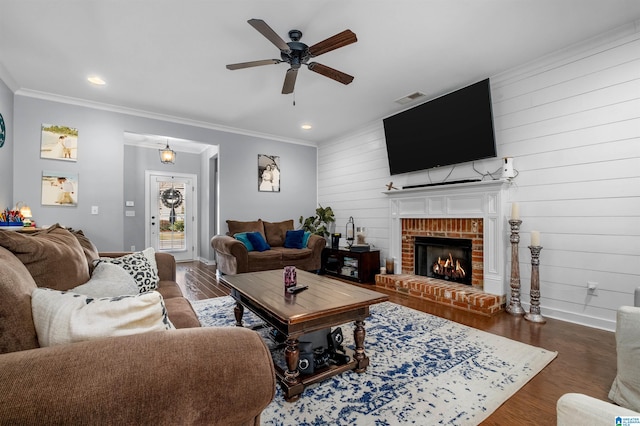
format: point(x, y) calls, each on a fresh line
point(449, 268)
point(444, 258)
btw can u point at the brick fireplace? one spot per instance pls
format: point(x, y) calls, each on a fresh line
point(467, 228)
point(471, 211)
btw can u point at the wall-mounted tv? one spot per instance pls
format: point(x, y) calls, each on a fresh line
point(452, 129)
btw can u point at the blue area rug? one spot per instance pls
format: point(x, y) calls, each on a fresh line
point(424, 370)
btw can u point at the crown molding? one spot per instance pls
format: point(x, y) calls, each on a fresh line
point(7, 78)
point(152, 115)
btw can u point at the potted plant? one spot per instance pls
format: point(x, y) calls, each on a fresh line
point(320, 223)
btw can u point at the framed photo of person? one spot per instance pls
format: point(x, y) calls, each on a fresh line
point(59, 189)
point(268, 173)
point(59, 143)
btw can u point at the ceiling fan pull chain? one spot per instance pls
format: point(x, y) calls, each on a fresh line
point(294, 98)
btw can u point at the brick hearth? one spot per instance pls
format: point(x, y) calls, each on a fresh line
point(470, 298)
point(458, 296)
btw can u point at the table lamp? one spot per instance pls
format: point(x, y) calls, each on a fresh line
point(25, 211)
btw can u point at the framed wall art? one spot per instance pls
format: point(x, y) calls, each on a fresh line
point(59, 189)
point(59, 142)
point(268, 173)
point(3, 131)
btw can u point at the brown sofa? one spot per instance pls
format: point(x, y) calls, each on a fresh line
point(190, 375)
point(232, 256)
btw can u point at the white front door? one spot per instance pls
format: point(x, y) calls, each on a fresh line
point(171, 217)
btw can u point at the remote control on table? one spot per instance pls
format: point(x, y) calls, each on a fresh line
point(297, 288)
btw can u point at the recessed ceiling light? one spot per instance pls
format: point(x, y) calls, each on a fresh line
point(306, 127)
point(94, 79)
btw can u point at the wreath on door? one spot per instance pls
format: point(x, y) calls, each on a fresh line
point(171, 198)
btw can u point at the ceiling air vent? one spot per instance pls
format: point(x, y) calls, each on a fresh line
point(410, 98)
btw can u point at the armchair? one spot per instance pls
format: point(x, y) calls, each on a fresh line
point(625, 390)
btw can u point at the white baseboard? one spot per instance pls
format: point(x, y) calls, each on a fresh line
point(208, 262)
point(572, 317)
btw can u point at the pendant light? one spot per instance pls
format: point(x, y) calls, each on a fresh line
point(167, 155)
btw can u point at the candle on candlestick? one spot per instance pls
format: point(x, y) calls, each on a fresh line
point(515, 211)
point(535, 238)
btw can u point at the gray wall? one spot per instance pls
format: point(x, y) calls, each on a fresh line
point(101, 173)
point(6, 152)
point(137, 161)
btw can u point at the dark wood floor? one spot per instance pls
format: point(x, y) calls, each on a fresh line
point(586, 361)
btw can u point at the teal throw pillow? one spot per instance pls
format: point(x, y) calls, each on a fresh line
point(258, 242)
point(293, 239)
point(242, 237)
point(305, 238)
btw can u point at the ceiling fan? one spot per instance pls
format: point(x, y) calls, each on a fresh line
point(295, 53)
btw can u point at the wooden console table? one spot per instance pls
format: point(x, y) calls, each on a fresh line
point(21, 229)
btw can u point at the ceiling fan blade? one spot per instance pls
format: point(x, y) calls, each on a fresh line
point(339, 40)
point(289, 81)
point(334, 74)
point(271, 35)
point(241, 65)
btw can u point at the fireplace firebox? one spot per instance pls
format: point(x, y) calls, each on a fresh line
point(443, 258)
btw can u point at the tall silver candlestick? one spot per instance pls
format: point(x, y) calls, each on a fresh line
point(514, 307)
point(534, 310)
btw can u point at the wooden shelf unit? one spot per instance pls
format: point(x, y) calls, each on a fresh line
point(351, 265)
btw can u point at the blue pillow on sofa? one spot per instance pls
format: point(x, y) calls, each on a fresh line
point(293, 239)
point(242, 237)
point(257, 241)
point(305, 238)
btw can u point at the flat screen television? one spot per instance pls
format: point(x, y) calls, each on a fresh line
point(452, 129)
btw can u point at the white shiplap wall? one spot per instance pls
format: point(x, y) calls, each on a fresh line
point(571, 121)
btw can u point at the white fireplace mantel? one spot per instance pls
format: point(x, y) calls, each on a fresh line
point(482, 199)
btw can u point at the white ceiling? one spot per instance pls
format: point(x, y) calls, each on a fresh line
point(168, 57)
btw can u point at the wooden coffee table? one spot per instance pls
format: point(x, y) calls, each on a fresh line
point(326, 303)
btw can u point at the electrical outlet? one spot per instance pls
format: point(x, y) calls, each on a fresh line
point(94, 209)
point(592, 288)
point(133, 248)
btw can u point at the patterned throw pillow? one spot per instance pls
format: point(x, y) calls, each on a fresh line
point(140, 266)
point(62, 317)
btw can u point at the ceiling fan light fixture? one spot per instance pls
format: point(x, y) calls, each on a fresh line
point(167, 155)
point(306, 127)
point(296, 53)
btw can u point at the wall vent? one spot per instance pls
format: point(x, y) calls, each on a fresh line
point(410, 98)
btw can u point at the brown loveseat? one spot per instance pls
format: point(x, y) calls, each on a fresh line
point(233, 257)
point(190, 375)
